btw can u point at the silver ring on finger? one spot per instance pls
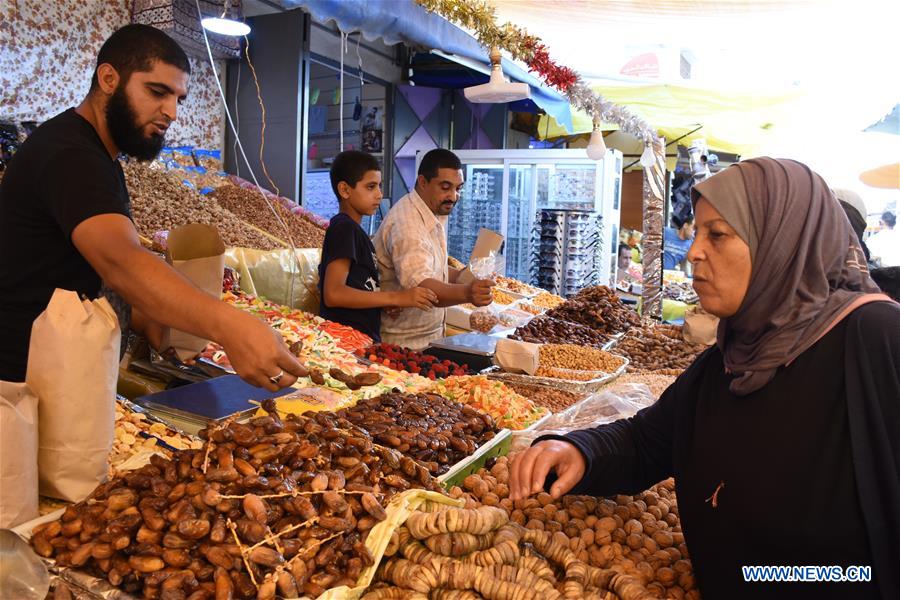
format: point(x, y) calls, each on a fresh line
point(276, 378)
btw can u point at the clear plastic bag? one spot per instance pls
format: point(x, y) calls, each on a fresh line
point(485, 318)
point(606, 406)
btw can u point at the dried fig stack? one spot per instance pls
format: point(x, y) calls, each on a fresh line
point(264, 508)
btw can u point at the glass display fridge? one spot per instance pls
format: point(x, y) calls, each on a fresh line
point(558, 210)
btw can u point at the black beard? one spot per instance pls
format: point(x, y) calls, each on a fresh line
point(126, 132)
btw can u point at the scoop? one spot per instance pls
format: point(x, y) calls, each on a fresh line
point(22, 573)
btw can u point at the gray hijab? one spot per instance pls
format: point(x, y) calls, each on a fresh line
point(807, 264)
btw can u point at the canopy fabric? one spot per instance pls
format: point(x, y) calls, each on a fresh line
point(405, 21)
point(738, 123)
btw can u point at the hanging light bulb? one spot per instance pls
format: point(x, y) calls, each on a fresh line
point(596, 148)
point(224, 25)
point(498, 89)
point(648, 158)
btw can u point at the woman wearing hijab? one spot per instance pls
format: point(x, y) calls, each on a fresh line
point(784, 437)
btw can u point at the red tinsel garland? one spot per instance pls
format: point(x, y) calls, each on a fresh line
point(562, 78)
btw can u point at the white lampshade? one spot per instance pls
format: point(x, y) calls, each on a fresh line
point(498, 89)
point(225, 26)
point(596, 148)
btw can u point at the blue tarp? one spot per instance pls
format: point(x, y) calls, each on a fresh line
point(405, 21)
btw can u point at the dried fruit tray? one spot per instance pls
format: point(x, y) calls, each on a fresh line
point(570, 385)
point(498, 446)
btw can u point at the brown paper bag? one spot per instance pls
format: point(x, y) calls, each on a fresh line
point(72, 368)
point(197, 252)
point(700, 327)
point(517, 357)
point(18, 454)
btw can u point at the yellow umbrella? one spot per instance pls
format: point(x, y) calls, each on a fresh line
point(887, 176)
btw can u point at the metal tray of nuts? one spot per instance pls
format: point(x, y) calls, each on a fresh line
point(569, 385)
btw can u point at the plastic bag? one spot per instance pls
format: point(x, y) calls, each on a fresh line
point(485, 318)
point(609, 405)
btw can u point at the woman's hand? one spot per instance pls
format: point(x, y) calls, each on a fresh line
point(530, 469)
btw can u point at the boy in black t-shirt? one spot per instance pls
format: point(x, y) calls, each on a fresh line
point(348, 272)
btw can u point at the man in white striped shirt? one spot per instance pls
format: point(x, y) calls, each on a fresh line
point(411, 245)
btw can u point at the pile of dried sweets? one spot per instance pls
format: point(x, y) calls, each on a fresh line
point(501, 297)
point(256, 210)
point(160, 202)
point(554, 399)
point(509, 409)
point(652, 347)
point(599, 308)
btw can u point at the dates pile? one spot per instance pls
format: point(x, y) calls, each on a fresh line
point(269, 507)
point(160, 202)
point(547, 330)
point(599, 308)
point(433, 430)
point(250, 206)
point(652, 347)
point(403, 359)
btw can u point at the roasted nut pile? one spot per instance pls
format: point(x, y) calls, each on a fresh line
point(250, 206)
point(264, 508)
point(599, 308)
point(654, 347)
point(547, 330)
point(433, 430)
point(638, 536)
point(547, 300)
point(501, 297)
point(483, 320)
point(135, 434)
point(519, 287)
point(159, 202)
point(554, 399)
point(578, 358)
point(657, 382)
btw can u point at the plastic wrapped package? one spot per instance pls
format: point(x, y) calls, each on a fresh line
point(606, 406)
point(269, 274)
point(485, 318)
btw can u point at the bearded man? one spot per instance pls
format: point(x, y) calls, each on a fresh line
point(65, 216)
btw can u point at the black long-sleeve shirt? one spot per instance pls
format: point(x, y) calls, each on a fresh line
point(809, 465)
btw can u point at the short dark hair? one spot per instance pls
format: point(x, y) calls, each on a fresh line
point(888, 279)
point(438, 159)
point(889, 219)
point(350, 167)
point(135, 48)
point(623, 246)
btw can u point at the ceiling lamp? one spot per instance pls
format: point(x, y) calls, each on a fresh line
point(498, 89)
point(596, 148)
point(225, 26)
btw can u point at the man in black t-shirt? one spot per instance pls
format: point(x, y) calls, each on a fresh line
point(65, 219)
point(348, 271)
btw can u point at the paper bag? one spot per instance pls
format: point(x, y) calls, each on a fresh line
point(197, 252)
point(73, 363)
point(488, 242)
point(700, 327)
point(517, 357)
point(18, 454)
